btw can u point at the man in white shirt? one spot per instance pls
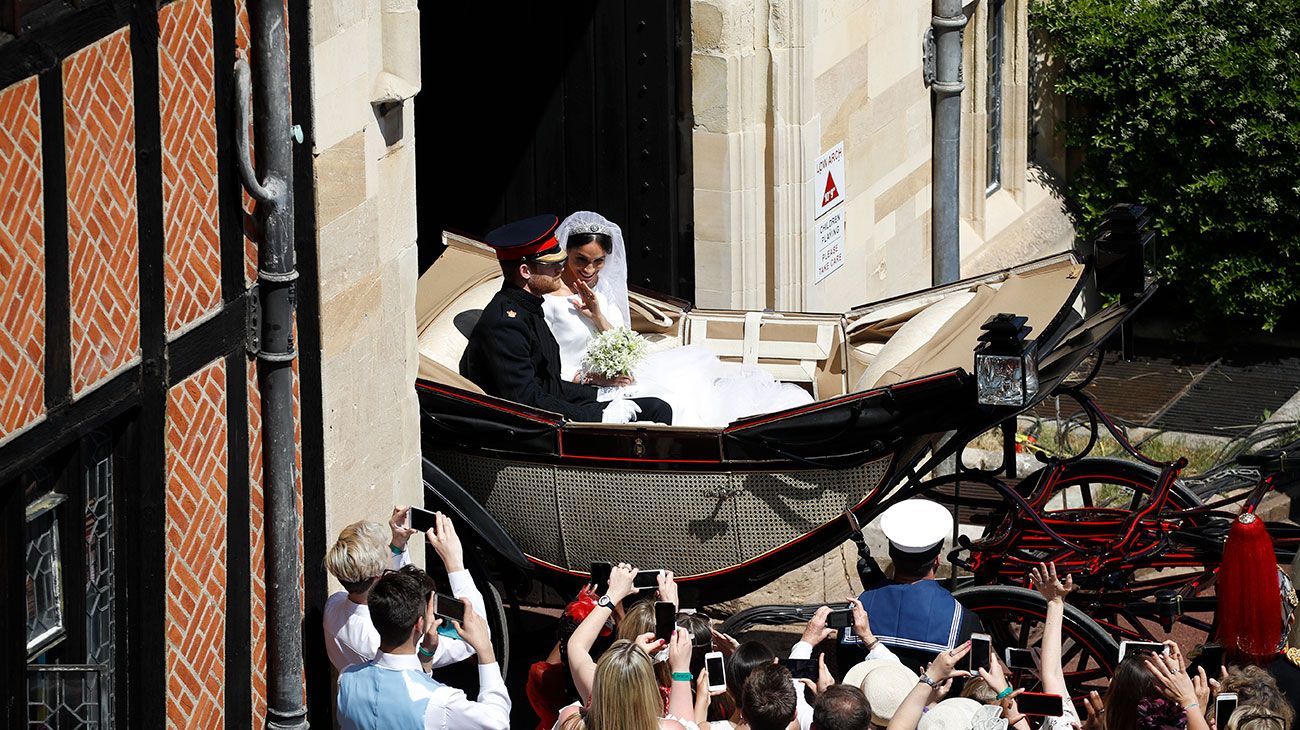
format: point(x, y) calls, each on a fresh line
point(362, 553)
point(393, 690)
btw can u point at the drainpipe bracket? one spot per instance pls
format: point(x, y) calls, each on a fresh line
point(253, 322)
point(928, 72)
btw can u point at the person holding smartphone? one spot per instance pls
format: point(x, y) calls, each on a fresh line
point(359, 557)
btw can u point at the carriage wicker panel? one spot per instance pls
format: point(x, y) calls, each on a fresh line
point(645, 518)
point(520, 496)
point(775, 508)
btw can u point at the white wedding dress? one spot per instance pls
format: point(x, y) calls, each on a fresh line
point(702, 390)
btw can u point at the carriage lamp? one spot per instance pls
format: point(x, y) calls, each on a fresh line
point(1006, 366)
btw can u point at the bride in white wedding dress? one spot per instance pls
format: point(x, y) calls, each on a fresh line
point(702, 390)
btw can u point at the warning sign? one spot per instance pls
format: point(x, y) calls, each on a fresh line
point(830, 245)
point(828, 181)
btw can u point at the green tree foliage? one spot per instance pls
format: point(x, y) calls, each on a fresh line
point(1193, 108)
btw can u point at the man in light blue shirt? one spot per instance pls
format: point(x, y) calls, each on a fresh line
point(393, 691)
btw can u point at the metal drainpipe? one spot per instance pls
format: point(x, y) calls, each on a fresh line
point(274, 347)
point(945, 253)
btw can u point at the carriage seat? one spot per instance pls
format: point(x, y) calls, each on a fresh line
point(443, 340)
point(805, 349)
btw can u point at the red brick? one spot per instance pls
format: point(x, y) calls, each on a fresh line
point(103, 266)
point(192, 244)
point(22, 258)
point(196, 509)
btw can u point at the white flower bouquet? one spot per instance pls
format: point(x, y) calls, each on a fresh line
point(614, 352)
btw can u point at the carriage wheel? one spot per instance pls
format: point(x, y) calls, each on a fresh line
point(1014, 618)
point(1126, 605)
point(496, 613)
point(1103, 482)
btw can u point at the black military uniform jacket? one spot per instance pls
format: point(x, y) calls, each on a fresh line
point(512, 354)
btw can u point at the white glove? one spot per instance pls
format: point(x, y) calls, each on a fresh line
point(620, 410)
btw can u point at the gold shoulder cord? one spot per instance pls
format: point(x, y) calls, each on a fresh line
point(1293, 655)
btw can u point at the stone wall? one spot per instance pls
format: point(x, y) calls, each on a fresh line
point(777, 83)
point(365, 59)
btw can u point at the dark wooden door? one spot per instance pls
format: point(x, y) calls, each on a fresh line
point(557, 107)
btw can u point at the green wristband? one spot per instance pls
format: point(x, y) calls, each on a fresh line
point(396, 550)
point(682, 676)
point(1003, 694)
point(425, 652)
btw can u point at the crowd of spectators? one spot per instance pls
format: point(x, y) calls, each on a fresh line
point(613, 668)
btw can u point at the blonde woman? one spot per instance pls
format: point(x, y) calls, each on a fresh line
point(620, 690)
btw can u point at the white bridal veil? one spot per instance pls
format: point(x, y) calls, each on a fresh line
point(613, 278)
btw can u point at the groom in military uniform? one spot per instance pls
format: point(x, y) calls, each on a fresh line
point(511, 352)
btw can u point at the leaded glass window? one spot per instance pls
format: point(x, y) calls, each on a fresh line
point(993, 97)
point(44, 573)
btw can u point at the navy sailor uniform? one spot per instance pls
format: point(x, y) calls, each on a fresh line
point(917, 620)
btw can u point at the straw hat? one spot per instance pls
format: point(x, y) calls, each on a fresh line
point(885, 683)
point(951, 714)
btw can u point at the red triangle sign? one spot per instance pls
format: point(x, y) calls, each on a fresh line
point(831, 193)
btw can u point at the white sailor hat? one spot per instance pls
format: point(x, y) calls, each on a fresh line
point(916, 526)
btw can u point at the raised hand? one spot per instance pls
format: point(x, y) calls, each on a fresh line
point(861, 622)
point(586, 302)
point(944, 665)
point(620, 582)
point(474, 630)
point(1049, 585)
point(816, 632)
point(446, 542)
point(725, 642)
point(649, 643)
point(397, 525)
point(668, 588)
point(1171, 681)
point(1096, 708)
point(679, 651)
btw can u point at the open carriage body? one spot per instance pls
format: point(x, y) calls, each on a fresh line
point(730, 509)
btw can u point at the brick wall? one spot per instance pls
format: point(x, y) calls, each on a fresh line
point(193, 249)
point(103, 244)
point(22, 260)
point(196, 554)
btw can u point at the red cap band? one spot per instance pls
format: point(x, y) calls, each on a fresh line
point(518, 252)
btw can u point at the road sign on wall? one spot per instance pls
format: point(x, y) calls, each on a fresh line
point(828, 181)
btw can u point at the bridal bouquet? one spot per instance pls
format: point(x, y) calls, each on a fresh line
point(614, 352)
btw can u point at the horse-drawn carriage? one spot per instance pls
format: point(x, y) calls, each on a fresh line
point(895, 394)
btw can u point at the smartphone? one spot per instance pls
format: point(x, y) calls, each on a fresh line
point(1022, 658)
point(600, 577)
point(420, 519)
point(717, 671)
point(449, 608)
point(801, 668)
point(1225, 703)
point(840, 619)
point(1037, 703)
point(646, 579)
point(980, 655)
point(1149, 647)
point(1211, 657)
point(665, 619)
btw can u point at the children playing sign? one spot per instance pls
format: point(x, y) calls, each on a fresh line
point(828, 194)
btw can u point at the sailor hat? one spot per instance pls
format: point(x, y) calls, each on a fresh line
point(531, 239)
point(916, 526)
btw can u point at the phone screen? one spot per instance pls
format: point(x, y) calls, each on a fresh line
point(801, 668)
point(1224, 705)
point(422, 519)
point(449, 607)
point(1151, 647)
point(717, 669)
point(1020, 658)
point(646, 579)
point(981, 646)
point(1034, 703)
point(1211, 657)
point(840, 619)
point(600, 577)
point(665, 619)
